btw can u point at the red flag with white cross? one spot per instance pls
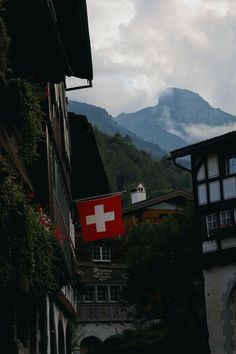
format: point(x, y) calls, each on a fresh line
point(101, 217)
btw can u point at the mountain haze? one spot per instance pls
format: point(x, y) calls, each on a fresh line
point(180, 117)
point(100, 118)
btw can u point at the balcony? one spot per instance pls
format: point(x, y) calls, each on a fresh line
point(228, 230)
point(103, 313)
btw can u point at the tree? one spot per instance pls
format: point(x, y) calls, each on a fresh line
point(166, 282)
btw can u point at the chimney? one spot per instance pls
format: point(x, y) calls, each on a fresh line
point(138, 194)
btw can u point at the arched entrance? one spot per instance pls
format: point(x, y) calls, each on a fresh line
point(89, 345)
point(229, 317)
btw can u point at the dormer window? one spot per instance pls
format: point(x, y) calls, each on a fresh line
point(231, 165)
point(101, 254)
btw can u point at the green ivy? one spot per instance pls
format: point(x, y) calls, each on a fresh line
point(4, 44)
point(25, 117)
point(26, 246)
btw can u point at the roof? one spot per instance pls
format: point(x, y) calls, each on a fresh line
point(49, 39)
point(174, 196)
point(88, 177)
point(187, 150)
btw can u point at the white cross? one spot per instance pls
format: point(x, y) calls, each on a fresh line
point(100, 218)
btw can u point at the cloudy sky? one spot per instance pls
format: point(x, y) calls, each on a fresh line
point(140, 47)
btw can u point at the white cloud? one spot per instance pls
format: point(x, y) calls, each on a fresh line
point(198, 132)
point(140, 47)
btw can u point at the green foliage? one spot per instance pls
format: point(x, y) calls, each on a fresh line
point(165, 277)
point(24, 118)
point(26, 246)
point(4, 44)
point(30, 117)
point(126, 166)
point(151, 339)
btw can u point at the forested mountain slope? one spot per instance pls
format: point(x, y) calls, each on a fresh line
point(100, 118)
point(126, 166)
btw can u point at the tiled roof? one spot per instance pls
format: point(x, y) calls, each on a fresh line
point(167, 197)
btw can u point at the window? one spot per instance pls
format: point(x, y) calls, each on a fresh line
point(101, 253)
point(90, 294)
point(231, 165)
point(211, 221)
point(225, 217)
point(115, 293)
point(102, 292)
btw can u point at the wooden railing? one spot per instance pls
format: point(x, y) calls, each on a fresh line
point(103, 313)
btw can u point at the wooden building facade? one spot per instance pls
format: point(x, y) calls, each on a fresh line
point(213, 168)
point(45, 41)
point(103, 270)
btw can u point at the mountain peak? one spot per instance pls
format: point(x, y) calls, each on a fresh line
point(174, 94)
point(182, 113)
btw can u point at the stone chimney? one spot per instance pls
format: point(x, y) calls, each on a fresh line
point(138, 194)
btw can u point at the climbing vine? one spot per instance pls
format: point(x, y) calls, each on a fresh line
point(27, 245)
point(29, 118)
point(4, 44)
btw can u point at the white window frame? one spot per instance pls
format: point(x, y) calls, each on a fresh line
point(101, 254)
point(86, 297)
point(229, 165)
point(225, 217)
point(106, 298)
point(118, 287)
point(93, 294)
point(212, 222)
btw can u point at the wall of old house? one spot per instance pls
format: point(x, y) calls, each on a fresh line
point(221, 308)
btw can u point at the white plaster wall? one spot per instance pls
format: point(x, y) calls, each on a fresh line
point(229, 188)
point(217, 282)
point(212, 166)
point(202, 194)
point(59, 316)
point(201, 174)
point(48, 325)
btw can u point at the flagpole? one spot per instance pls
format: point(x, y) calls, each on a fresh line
point(98, 196)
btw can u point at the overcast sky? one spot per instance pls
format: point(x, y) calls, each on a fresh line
point(140, 47)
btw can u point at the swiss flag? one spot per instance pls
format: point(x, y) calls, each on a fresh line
point(101, 217)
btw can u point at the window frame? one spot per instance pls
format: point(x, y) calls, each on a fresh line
point(119, 293)
point(93, 293)
point(101, 256)
point(106, 298)
point(211, 221)
point(228, 165)
point(227, 220)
